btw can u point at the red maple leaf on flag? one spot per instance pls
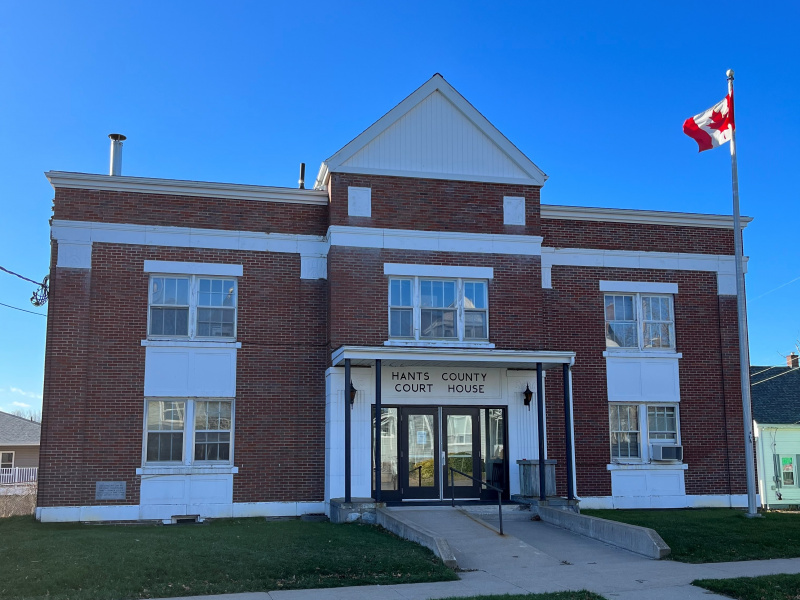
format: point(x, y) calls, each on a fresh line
point(718, 121)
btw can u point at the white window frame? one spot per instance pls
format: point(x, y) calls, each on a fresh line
point(416, 302)
point(189, 432)
point(13, 456)
point(639, 321)
point(645, 443)
point(780, 483)
point(194, 295)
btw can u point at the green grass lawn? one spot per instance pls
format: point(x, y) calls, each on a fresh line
point(716, 534)
point(104, 562)
point(768, 587)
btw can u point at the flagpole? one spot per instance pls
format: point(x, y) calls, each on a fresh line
point(741, 306)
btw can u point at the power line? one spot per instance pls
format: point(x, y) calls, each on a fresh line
point(40, 294)
point(22, 309)
point(20, 276)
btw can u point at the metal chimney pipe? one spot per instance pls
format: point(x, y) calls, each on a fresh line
point(115, 162)
point(302, 181)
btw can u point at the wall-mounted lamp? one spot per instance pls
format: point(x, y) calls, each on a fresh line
point(353, 392)
point(527, 395)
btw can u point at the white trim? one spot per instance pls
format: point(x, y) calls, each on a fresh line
point(430, 175)
point(211, 469)
point(502, 358)
point(74, 234)
point(175, 187)
point(437, 241)
point(678, 501)
point(277, 509)
point(437, 343)
point(186, 343)
point(722, 265)
point(438, 271)
point(645, 217)
point(634, 287)
point(190, 268)
point(647, 466)
point(633, 353)
point(71, 514)
point(434, 84)
point(67, 514)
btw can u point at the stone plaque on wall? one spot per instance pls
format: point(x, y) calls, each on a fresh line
point(109, 490)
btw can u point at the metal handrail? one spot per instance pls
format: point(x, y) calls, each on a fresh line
point(482, 482)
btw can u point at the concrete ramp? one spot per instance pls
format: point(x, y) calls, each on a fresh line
point(472, 544)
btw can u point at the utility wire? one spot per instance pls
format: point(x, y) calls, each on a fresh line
point(40, 294)
point(20, 276)
point(22, 309)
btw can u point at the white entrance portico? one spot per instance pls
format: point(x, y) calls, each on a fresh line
point(439, 407)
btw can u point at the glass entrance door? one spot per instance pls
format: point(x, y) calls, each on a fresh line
point(419, 456)
point(462, 450)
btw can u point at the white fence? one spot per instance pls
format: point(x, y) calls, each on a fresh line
point(19, 475)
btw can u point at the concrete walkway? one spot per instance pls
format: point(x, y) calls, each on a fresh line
point(536, 557)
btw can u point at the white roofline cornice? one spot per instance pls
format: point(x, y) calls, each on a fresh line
point(435, 83)
point(646, 217)
point(175, 187)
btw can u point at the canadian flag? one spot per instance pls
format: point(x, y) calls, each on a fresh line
point(713, 127)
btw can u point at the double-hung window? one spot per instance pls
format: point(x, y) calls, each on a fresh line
point(6, 460)
point(192, 307)
point(632, 424)
point(189, 431)
point(639, 321)
point(454, 309)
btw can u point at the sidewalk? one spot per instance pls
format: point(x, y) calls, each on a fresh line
point(537, 557)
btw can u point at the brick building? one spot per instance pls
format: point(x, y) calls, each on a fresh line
point(211, 347)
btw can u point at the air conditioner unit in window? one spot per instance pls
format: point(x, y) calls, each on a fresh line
point(667, 452)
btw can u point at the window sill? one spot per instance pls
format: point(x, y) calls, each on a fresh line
point(438, 344)
point(621, 353)
point(184, 470)
point(648, 467)
point(191, 343)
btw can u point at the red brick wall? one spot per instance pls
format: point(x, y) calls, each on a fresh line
point(563, 233)
point(61, 476)
point(190, 211)
point(434, 204)
point(94, 393)
point(359, 294)
point(710, 407)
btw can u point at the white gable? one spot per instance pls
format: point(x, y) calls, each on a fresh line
point(434, 133)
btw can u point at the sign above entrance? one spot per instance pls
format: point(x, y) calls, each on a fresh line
point(440, 383)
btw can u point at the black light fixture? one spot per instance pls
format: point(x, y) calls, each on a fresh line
point(353, 392)
point(527, 395)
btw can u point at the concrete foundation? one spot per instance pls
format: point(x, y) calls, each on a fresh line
point(358, 510)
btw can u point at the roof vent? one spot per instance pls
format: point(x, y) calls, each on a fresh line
point(115, 163)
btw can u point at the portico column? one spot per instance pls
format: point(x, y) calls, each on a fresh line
point(568, 430)
point(540, 424)
point(377, 433)
point(347, 418)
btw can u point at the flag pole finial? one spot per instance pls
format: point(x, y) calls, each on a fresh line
point(729, 73)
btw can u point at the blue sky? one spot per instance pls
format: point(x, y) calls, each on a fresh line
point(594, 93)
